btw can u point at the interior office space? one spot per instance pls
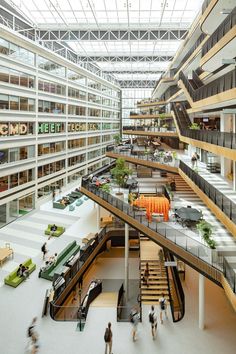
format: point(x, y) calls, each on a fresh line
point(117, 150)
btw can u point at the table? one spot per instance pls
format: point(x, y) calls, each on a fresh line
point(4, 254)
point(159, 205)
point(190, 214)
point(131, 182)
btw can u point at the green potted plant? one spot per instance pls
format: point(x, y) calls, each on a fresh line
point(174, 155)
point(205, 230)
point(194, 126)
point(120, 173)
point(164, 127)
point(117, 138)
point(106, 188)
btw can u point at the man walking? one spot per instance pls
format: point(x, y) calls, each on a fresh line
point(163, 306)
point(108, 338)
point(134, 319)
point(153, 321)
point(44, 250)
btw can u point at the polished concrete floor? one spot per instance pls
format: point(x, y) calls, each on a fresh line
point(18, 306)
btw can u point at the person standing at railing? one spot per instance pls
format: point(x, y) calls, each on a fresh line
point(194, 160)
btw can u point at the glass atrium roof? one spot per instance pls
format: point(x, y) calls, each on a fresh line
point(115, 15)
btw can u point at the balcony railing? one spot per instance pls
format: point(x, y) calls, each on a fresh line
point(212, 257)
point(219, 85)
point(205, 5)
point(190, 52)
point(224, 139)
point(219, 199)
point(140, 155)
point(220, 32)
point(148, 129)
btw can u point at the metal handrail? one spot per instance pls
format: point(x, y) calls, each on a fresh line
point(219, 199)
point(212, 257)
point(222, 84)
point(224, 139)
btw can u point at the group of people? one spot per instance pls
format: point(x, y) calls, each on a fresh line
point(23, 271)
point(49, 260)
point(135, 319)
point(65, 201)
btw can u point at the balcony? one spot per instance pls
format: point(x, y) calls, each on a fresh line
point(220, 45)
point(209, 262)
point(144, 158)
point(212, 9)
point(218, 93)
point(220, 143)
point(149, 131)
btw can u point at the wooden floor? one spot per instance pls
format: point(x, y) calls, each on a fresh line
point(105, 300)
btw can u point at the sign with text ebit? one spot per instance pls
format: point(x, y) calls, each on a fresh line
point(46, 128)
point(170, 264)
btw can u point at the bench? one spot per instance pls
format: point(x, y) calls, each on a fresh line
point(70, 250)
point(59, 231)
point(13, 279)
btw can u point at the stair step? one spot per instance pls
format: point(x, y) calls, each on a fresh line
point(154, 293)
point(154, 298)
point(155, 287)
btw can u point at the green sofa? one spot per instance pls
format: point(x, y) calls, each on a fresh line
point(59, 231)
point(76, 194)
point(71, 249)
point(58, 205)
point(13, 279)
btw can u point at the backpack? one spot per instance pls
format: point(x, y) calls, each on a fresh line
point(151, 317)
point(162, 304)
point(30, 331)
point(107, 335)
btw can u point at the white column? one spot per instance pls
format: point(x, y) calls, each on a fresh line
point(98, 216)
point(126, 282)
point(201, 301)
point(131, 139)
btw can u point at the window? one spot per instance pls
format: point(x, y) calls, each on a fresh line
point(51, 67)
point(51, 87)
point(16, 52)
point(14, 103)
point(76, 77)
point(4, 101)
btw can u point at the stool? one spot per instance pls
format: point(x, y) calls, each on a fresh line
point(86, 198)
point(71, 207)
point(79, 202)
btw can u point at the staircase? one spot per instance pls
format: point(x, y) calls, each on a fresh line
point(157, 281)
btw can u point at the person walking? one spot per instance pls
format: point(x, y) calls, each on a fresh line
point(44, 250)
point(163, 307)
point(194, 160)
point(153, 321)
point(108, 339)
point(134, 319)
point(146, 275)
point(33, 337)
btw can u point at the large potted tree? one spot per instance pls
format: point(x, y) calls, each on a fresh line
point(117, 138)
point(120, 173)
